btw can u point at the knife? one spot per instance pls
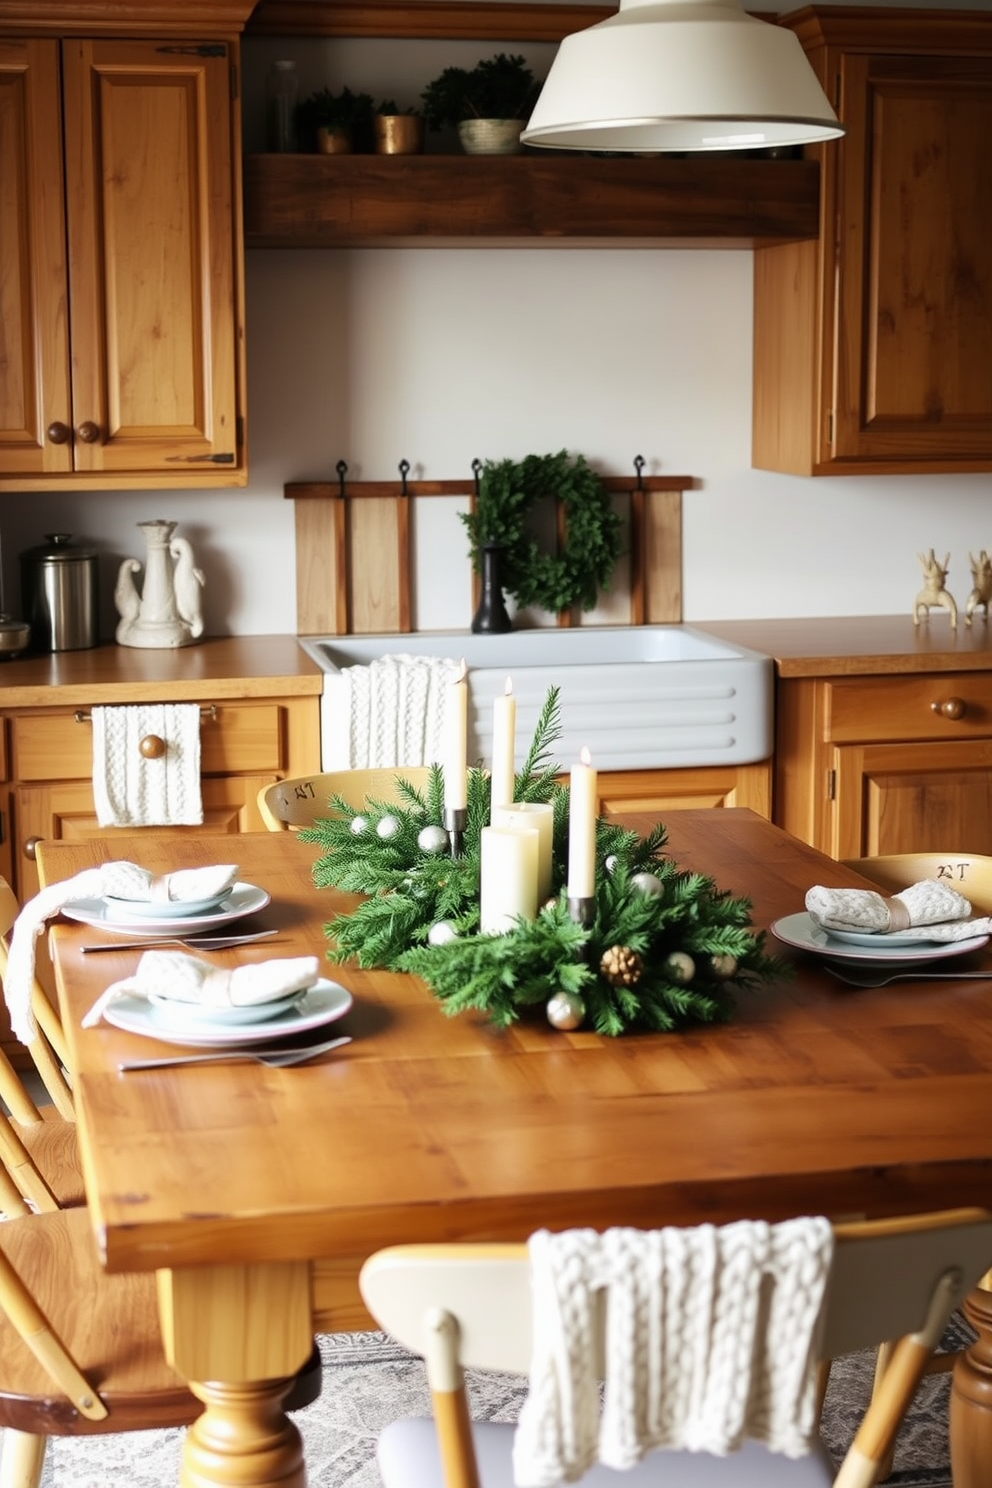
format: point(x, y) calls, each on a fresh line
point(192, 943)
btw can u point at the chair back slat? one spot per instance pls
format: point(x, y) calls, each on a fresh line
point(969, 873)
point(304, 799)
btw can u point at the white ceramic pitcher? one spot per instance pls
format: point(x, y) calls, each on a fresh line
point(166, 611)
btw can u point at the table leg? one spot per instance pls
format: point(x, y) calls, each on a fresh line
point(242, 1438)
point(238, 1334)
point(971, 1396)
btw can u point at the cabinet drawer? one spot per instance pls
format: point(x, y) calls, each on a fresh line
point(939, 705)
point(233, 740)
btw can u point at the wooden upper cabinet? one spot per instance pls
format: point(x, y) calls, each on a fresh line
point(121, 260)
point(873, 345)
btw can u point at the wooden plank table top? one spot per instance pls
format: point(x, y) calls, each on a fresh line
point(815, 1098)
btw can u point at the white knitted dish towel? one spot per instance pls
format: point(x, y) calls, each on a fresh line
point(711, 1338)
point(121, 879)
point(396, 707)
point(928, 910)
point(131, 791)
point(182, 978)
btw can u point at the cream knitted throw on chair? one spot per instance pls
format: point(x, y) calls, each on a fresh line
point(711, 1338)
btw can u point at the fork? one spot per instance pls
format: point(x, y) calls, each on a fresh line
point(197, 943)
point(873, 979)
point(272, 1058)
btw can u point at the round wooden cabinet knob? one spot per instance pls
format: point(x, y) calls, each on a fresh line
point(89, 432)
point(30, 847)
point(58, 433)
point(152, 747)
point(950, 708)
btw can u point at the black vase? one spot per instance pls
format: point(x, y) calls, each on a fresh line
point(491, 617)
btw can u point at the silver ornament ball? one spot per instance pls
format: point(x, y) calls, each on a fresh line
point(610, 862)
point(432, 839)
point(565, 1011)
point(388, 826)
point(723, 967)
point(441, 933)
point(680, 967)
point(358, 825)
point(647, 883)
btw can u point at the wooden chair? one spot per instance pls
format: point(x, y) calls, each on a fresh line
point(48, 1051)
point(289, 804)
point(470, 1305)
point(80, 1348)
point(969, 873)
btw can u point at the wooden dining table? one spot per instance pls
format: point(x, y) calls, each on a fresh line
point(256, 1193)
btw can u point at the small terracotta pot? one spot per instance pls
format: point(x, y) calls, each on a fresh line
point(333, 141)
point(491, 136)
point(399, 134)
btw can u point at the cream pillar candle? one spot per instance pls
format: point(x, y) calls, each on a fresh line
point(456, 743)
point(536, 816)
point(508, 878)
point(504, 747)
point(582, 813)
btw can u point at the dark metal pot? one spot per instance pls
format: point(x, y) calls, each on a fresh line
point(60, 594)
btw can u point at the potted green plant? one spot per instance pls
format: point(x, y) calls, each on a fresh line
point(336, 123)
point(500, 88)
point(397, 131)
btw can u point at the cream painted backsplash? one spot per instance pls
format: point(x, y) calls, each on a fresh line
point(440, 356)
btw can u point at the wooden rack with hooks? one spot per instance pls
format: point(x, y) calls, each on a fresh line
point(354, 551)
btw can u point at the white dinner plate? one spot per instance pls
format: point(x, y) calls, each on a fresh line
point(243, 899)
point(320, 1004)
point(882, 938)
point(801, 931)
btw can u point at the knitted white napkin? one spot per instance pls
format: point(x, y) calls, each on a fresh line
point(928, 910)
point(712, 1337)
point(181, 978)
point(122, 880)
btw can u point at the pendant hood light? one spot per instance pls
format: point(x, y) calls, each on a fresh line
point(680, 75)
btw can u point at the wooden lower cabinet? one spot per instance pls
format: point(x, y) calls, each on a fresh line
point(662, 791)
point(869, 765)
point(244, 745)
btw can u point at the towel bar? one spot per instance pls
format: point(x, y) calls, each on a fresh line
point(209, 711)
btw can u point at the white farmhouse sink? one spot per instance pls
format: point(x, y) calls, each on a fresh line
point(639, 697)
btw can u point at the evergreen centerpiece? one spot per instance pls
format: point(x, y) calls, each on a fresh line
point(665, 948)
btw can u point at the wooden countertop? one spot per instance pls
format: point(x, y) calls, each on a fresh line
point(210, 670)
point(855, 645)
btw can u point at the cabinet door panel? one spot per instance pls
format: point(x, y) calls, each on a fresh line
point(914, 315)
point(34, 346)
point(913, 798)
point(150, 207)
point(661, 791)
point(64, 812)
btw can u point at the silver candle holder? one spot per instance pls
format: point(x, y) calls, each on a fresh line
point(582, 909)
point(454, 824)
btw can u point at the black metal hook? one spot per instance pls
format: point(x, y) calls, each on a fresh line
point(342, 469)
point(476, 472)
point(404, 469)
point(639, 467)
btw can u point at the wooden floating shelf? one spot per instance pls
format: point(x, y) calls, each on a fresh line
point(340, 201)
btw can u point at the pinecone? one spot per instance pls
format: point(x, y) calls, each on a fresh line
point(621, 966)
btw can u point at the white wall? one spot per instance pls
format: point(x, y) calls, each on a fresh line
point(439, 356)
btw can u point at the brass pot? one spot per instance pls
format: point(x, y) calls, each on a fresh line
point(399, 134)
point(333, 141)
point(491, 136)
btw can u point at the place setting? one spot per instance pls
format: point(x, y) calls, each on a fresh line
point(173, 995)
point(875, 938)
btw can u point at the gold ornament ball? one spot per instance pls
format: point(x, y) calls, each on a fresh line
point(723, 966)
point(566, 1011)
point(680, 967)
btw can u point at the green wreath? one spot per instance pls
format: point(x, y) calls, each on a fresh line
point(507, 491)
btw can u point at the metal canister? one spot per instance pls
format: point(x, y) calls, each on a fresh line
point(60, 594)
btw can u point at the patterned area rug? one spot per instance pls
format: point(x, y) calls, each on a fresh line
point(369, 1381)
